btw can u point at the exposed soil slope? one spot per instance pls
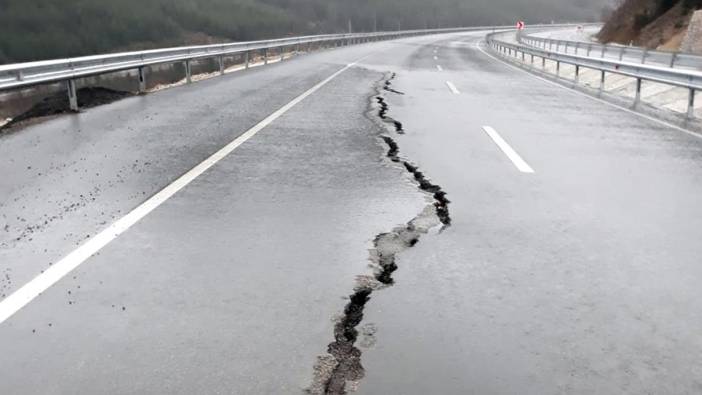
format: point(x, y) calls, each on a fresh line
point(650, 23)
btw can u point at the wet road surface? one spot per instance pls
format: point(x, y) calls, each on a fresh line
point(579, 277)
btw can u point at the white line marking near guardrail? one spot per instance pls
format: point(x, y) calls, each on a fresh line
point(438, 67)
point(23, 296)
point(453, 88)
point(508, 150)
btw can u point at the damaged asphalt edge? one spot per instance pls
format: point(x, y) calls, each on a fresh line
point(342, 367)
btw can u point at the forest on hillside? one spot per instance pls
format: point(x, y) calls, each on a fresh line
point(45, 29)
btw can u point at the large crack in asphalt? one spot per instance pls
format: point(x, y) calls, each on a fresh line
point(383, 110)
point(340, 369)
point(388, 85)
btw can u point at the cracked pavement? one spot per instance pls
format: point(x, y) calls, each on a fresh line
point(582, 277)
point(342, 366)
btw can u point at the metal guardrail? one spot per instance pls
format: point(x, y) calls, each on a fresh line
point(613, 51)
point(689, 79)
point(23, 75)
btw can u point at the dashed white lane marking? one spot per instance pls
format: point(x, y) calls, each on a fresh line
point(453, 88)
point(23, 296)
point(436, 58)
point(438, 67)
point(509, 151)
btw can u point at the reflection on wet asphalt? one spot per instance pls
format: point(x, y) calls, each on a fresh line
point(580, 278)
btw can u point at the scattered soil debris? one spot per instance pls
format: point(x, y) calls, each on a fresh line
point(58, 103)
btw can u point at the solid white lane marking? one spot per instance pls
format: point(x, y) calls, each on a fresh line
point(453, 88)
point(579, 93)
point(439, 68)
point(509, 151)
point(23, 296)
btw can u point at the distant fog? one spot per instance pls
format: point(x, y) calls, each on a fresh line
point(41, 29)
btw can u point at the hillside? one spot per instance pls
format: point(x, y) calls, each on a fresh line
point(43, 29)
point(650, 23)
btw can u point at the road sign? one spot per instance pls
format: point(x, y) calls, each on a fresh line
point(521, 25)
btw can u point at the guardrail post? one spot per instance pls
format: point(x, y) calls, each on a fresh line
point(602, 80)
point(577, 74)
point(637, 99)
point(691, 104)
point(621, 53)
point(543, 63)
point(265, 56)
point(604, 50)
point(72, 96)
point(643, 56)
point(558, 69)
point(577, 47)
point(188, 72)
point(247, 57)
point(589, 49)
point(221, 64)
point(142, 80)
point(566, 48)
point(672, 59)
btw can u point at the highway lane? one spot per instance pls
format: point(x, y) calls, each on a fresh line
point(585, 35)
point(580, 278)
point(117, 155)
point(231, 285)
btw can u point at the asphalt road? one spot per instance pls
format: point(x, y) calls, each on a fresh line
point(571, 264)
